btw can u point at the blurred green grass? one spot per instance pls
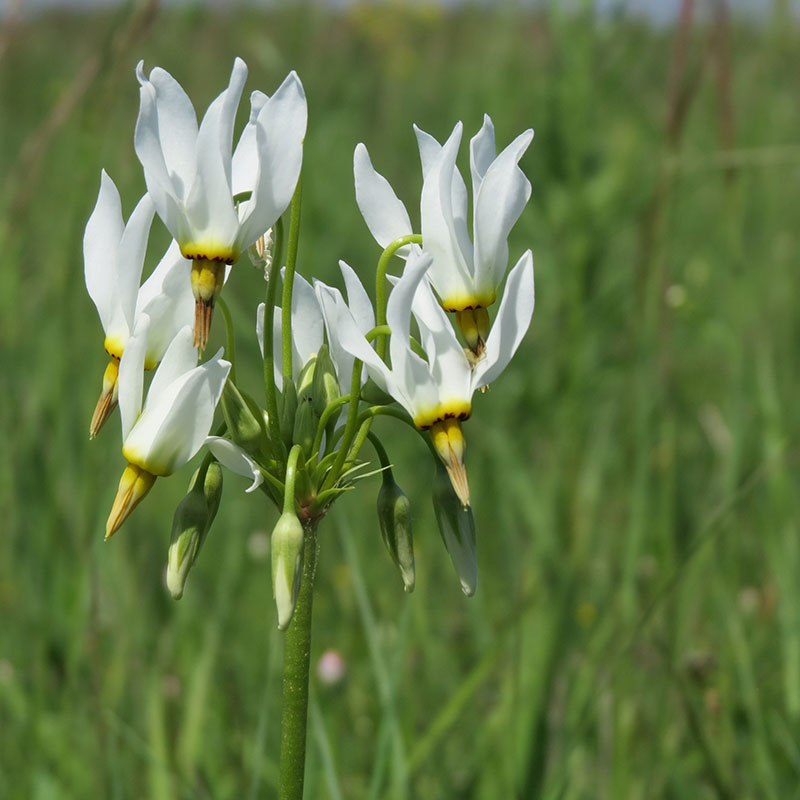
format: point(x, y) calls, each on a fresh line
point(636, 631)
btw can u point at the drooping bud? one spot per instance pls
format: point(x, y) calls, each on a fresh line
point(207, 278)
point(243, 418)
point(457, 528)
point(191, 524)
point(325, 389)
point(287, 565)
point(108, 398)
point(134, 485)
point(394, 516)
point(448, 440)
point(474, 325)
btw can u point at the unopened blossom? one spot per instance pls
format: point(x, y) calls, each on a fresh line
point(465, 273)
point(162, 434)
point(437, 392)
point(114, 253)
point(215, 203)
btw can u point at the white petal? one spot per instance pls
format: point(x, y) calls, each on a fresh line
point(344, 335)
point(130, 381)
point(511, 323)
point(175, 423)
point(429, 150)
point(501, 198)
point(175, 125)
point(444, 233)
point(232, 456)
point(357, 298)
point(100, 248)
point(281, 129)
point(244, 165)
point(260, 327)
point(482, 152)
point(132, 250)
point(210, 203)
point(307, 324)
point(180, 358)
point(160, 184)
point(449, 369)
point(166, 297)
point(385, 215)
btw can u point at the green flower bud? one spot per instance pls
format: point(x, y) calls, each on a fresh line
point(191, 523)
point(457, 527)
point(306, 379)
point(244, 419)
point(394, 516)
point(287, 565)
point(305, 425)
point(325, 389)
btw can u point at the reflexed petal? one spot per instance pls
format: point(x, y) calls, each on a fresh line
point(210, 202)
point(482, 152)
point(511, 323)
point(175, 126)
point(501, 198)
point(148, 149)
point(132, 250)
point(166, 297)
point(344, 334)
point(260, 327)
point(175, 423)
point(307, 324)
point(430, 150)
point(357, 298)
point(232, 456)
point(100, 248)
point(244, 165)
point(442, 233)
point(179, 359)
point(385, 215)
point(281, 130)
point(130, 381)
point(448, 367)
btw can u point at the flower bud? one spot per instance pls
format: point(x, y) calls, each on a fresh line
point(394, 516)
point(326, 385)
point(191, 523)
point(305, 380)
point(457, 527)
point(287, 565)
point(243, 419)
point(305, 425)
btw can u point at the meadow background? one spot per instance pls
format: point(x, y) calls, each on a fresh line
point(636, 630)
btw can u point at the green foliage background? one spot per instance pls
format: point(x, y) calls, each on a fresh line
point(636, 631)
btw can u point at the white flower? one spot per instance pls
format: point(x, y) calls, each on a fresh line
point(437, 392)
point(465, 273)
point(162, 435)
point(193, 178)
point(191, 174)
point(114, 255)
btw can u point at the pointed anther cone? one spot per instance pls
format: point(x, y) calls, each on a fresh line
point(208, 275)
point(202, 323)
point(107, 401)
point(134, 485)
point(448, 440)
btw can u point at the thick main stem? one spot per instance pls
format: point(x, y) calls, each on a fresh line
point(296, 656)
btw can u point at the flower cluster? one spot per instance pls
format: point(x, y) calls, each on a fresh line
point(332, 363)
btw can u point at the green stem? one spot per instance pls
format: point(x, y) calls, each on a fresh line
point(269, 337)
point(329, 411)
point(288, 283)
point(381, 293)
point(296, 657)
point(230, 341)
point(349, 428)
point(291, 474)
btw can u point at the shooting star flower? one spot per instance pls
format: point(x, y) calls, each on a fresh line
point(195, 181)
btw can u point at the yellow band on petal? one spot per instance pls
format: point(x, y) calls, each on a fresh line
point(463, 301)
point(454, 409)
